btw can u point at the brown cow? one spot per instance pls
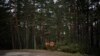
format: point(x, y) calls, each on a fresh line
point(47, 45)
point(50, 45)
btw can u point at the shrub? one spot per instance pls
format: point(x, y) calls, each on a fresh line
point(72, 48)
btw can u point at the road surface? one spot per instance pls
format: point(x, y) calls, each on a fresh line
point(37, 53)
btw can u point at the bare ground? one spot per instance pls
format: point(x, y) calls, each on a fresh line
point(37, 53)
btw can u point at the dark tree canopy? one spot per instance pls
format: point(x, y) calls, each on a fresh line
point(73, 25)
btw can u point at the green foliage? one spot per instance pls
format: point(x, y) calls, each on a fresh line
point(72, 48)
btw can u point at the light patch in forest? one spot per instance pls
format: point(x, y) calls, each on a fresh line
point(92, 7)
point(64, 32)
point(55, 1)
point(64, 24)
point(47, 2)
point(99, 2)
point(93, 23)
point(21, 24)
point(6, 1)
point(60, 6)
point(50, 11)
point(38, 10)
point(38, 27)
point(12, 10)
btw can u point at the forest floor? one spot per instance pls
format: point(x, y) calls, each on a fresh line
point(37, 53)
